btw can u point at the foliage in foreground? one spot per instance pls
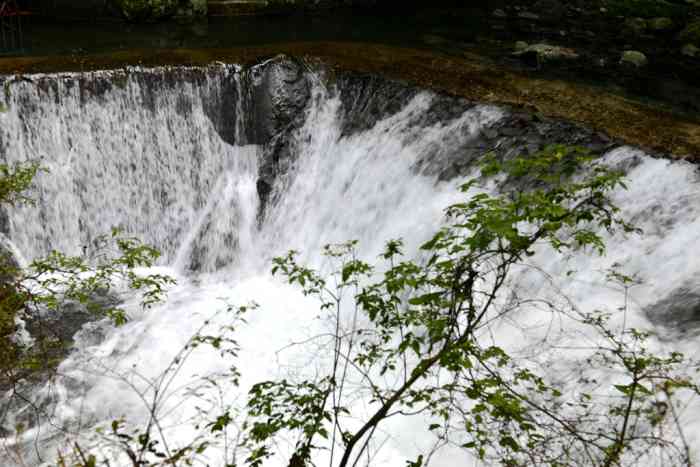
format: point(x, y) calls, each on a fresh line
point(413, 337)
point(427, 326)
point(42, 290)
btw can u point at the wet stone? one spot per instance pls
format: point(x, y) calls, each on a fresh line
point(679, 310)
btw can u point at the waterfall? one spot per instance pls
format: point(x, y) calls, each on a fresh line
point(176, 157)
point(119, 148)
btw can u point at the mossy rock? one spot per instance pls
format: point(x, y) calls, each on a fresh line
point(646, 8)
point(689, 50)
point(691, 33)
point(146, 10)
point(661, 24)
point(633, 58)
point(635, 27)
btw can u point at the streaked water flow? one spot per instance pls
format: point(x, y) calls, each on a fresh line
point(153, 162)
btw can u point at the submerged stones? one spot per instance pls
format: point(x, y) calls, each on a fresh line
point(661, 24)
point(690, 50)
point(691, 33)
point(538, 54)
point(634, 58)
point(635, 27)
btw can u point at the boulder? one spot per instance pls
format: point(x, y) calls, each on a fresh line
point(689, 50)
point(551, 11)
point(660, 24)
point(520, 46)
point(691, 33)
point(635, 27)
point(633, 58)
point(280, 91)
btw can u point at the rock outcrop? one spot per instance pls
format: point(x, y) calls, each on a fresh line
point(279, 92)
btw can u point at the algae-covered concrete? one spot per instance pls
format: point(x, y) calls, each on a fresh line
point(469, 76)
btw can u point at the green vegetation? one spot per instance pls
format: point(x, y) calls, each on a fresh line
point(48, 285)
point(420, 336)
point(14, 182)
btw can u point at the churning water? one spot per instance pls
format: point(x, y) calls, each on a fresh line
point(151, 160)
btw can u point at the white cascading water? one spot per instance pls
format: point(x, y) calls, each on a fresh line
point(168, 178)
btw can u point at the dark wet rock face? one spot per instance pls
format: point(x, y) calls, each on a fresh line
point(367, 99)
point(63, 326)
point(519, 133)
point(279, 94)
point(221, 108)
point(680, 310)
point(57, 333)
point(277, 161)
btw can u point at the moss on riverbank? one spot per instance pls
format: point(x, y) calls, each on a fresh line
point(468, 76)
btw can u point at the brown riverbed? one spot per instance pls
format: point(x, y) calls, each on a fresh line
point(635, 122)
